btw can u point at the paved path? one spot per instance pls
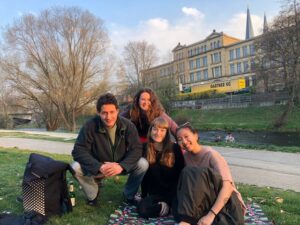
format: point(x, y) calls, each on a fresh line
point(261, 168)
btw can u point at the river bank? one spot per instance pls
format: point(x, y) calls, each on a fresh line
point(246, 119)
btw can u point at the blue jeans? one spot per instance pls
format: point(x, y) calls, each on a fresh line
point(135, 178)
point(90, 187)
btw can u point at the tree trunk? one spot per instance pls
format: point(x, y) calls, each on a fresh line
point(283, 118)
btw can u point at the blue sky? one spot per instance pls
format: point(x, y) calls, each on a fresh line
point(161, 22)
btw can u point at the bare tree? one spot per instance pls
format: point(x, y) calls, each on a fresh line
point(138, 56)
point(57, 60)
point(280, 47)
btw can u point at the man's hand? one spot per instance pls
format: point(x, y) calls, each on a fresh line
point(110, 169)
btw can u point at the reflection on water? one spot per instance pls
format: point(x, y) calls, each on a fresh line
point(256, 138)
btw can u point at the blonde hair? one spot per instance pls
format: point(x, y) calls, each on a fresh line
point(168, 157)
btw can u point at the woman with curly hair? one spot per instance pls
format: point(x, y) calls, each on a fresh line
point(145, 108)
point(165, 164)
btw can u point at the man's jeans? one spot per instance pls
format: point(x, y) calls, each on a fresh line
point(90, 187)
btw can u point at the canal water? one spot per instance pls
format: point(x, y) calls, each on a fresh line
point(255, 138)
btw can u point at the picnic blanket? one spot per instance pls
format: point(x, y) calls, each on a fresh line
point(127, 215)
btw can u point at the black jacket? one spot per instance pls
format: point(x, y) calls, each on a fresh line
point(93, 146)
point(160, 180)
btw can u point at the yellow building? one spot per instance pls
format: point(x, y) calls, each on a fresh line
point(207, 64)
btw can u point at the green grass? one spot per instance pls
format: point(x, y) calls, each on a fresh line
point(251, 118)
point(12, 164)
point(274, 148)
point(36, 136)
point(285, 213)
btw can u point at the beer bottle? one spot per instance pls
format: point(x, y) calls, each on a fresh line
point(71, 193)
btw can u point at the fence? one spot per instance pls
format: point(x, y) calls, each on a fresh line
point(235, 101)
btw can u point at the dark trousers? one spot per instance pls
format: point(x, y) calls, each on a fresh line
point(197, 191)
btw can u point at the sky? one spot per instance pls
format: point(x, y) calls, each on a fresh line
point(163, 23)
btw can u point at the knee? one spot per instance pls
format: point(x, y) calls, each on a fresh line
point(77, 168)
point(142, 164)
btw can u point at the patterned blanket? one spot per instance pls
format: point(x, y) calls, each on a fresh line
point(127, 215)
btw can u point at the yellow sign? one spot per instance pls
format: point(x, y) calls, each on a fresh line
point(220, 87)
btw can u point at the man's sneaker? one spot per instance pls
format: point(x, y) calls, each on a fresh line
point(93, 202)
point(135, 201)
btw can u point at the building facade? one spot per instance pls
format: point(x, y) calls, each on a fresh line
point(217, 61)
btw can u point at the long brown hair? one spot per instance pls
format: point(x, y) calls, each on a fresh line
point(168, 157)
point(155, 110)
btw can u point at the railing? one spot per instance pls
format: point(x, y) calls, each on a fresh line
point(235, 101)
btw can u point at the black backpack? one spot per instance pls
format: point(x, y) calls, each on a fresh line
point(45, 189)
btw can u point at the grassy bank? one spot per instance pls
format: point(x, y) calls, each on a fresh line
point(279, 205)
point(251, 118)
point(36, 136)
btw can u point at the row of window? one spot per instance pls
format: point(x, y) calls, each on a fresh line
point(199, 75)
point(246, 51)
point(197, 50)
point(200, 49)
point(179, 56)
point(198, 63)
point(166, 71)
point(240, 67)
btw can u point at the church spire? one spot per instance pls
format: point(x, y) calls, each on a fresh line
point(249, 28)
point(265, 29)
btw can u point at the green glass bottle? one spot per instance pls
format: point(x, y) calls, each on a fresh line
point(71, 193)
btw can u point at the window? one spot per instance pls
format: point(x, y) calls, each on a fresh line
point(216, 71)
point(205, 74)
point(252, 49)
point(239, 68)
point(216, 57)
point(161, 72)
point(245, 51)
point(181, 78)
point(246, 66)
point(191, 77)
point(252, 64)
point(191, 64)
point(238, 53)
point(198, 63)
point(205, 48)
point(205, 61)
point(232, 69)
point(198, 75)
point(231, 54)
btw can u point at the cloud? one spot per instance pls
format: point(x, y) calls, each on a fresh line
point(190, 27)
point(158, 23)
point(187, 29)
point(192, 12)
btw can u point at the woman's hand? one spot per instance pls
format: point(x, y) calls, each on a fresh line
point(207, 220)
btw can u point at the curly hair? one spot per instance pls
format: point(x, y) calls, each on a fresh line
point(168, 157)
point(155, 110)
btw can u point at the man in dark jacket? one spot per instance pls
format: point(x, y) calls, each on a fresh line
point(106, 146)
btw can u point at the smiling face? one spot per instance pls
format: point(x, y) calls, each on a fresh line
point(109, 115)
point(145, 101)
point(188, 140)
point(158, 134)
